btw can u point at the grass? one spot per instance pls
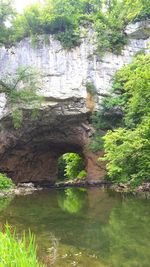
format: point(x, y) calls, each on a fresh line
point(17, 252)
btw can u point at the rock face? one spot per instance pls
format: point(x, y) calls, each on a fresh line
point(31, 153)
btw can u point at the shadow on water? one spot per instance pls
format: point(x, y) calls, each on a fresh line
point(79, 227)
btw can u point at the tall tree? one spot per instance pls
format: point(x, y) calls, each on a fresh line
point(7, 13)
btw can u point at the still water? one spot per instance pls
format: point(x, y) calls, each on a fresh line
point(83, 227)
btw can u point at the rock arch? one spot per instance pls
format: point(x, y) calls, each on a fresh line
point(31, 152)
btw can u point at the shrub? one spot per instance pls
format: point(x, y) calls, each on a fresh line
point(69, 39)
point(96, 143)
point(70, 165)
point(132, 81)
point(110, 25)
point(82, 174)
point(109, 37)
point(5, 182)
point(64, 19)
point(17, 117)
point(21, 88)
point(128, 154)
point(127, 149)
point(91, 88)
point(58, 23)
point(74, 164)
point(17, 253)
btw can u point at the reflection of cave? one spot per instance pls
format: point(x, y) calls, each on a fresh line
point(31, 153)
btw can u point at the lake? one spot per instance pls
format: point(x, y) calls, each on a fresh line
point(83, 227)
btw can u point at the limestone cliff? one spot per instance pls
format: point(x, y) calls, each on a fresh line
point(31, 152)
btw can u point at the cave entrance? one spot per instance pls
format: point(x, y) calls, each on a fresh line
point(71, 166)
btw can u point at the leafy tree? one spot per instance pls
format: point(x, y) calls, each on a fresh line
point(6, 15)
point(63, 19)
point(128, 154)
point(132, 83)
point(127, 149)
point(71, 165)
point(74, 164)
point(127, 97)
point(27, 24)
point(144, 10)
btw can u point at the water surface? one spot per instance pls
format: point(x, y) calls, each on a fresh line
point(83, 227)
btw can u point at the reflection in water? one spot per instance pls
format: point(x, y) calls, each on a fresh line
point(4, 202)
point(72, 200)
point(52, 251)
point(127, 233)
point(84, 228)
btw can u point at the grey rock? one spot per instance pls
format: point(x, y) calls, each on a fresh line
point(139, 30)
point(63, 122)
point(64, 73)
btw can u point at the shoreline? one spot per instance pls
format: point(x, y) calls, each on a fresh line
point(29, 188)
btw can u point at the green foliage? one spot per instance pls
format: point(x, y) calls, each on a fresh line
point(6, 15)
point(74, 164)
point(5, 182)
point(17, 253)
point(109, 116)
point(20, 85)
point(82, 174)
point(60, 18)
point(144, 8)
point(70, 166)
point(17, 117)
point(131, 89)
point(21, 89)
point(35, 40)
point(132, 82)
point(69, 38)
point(110, 35)
point(63, 19)
point(128, 149)
point(128, 154)
point(110, 25)
point(91, 88)
point(97, 142)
